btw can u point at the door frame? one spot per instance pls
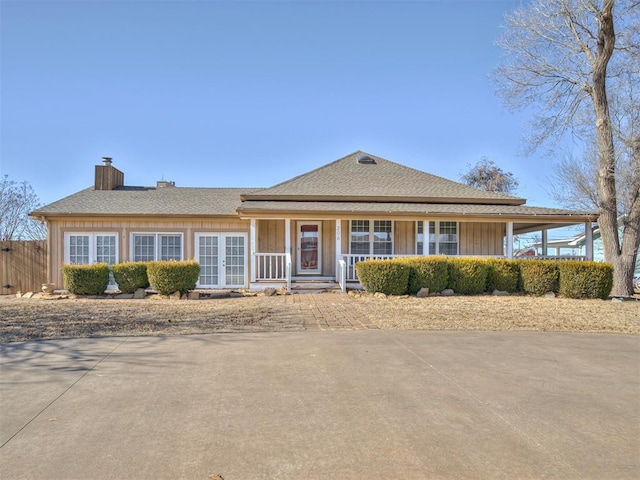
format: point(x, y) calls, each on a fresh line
point(222, 236)
point(318, 269)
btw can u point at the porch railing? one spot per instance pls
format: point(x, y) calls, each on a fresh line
point(271, 266)
point(274, 267)
point(342, 275)
point(581, 258)
point(351, 260)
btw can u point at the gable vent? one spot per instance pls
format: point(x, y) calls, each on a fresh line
point(366, 160)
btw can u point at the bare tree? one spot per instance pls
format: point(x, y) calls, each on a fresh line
point(486, 175)
point(16, 201)
point(578, 63)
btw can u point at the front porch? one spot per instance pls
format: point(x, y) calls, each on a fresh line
point(313, 253)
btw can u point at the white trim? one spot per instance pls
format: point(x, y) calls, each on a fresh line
point(338, 248)
point(222, 258)
point(156, 243)
point(436, 234)
point(588, 241)
point(509, 246)
point(252, 244)
point(287, 236)
point(93, 253)
point(318, 269)
point(372, 234)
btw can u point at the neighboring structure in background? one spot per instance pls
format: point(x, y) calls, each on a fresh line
point(576, 245)
point(313, 227)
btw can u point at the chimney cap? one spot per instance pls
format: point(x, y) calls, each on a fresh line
point(107, 160)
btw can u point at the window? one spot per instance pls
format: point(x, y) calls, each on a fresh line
point(371, 237)
point(445, 242)
point(156, 246)
point(88, 248)
point(420, 239)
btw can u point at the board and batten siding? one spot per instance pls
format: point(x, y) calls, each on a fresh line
point(124, 227)
point(481, 238)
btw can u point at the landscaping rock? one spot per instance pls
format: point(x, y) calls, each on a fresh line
point(500, 293)
point(28, 295)
point(139, 294)
point(447, 292)
point(550, 295)
point(379, 295)
point(194, 295)
point(617, 299)
point(423, 292)
point(175, 296)
point(269, 292)
point(18, 294)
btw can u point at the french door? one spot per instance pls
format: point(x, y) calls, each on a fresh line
point(309, 254)
point(223, 260)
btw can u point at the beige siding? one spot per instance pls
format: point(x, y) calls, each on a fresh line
point(124, 227)
point(328, 248)
point(270, 236)
point(404, 237)
point(481, 238)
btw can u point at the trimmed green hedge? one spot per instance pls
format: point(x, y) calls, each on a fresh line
point(390, 277)
point(130, 276)
point(538, 277)
point(472, 276)
point(468, 276)
point(170, 277)
point(585, 279)
point(503, 275)
point(86, 279)
point(427, 272)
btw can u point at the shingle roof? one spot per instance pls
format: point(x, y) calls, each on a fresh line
point(419, 209)
point(380, 181)
point(148, 201)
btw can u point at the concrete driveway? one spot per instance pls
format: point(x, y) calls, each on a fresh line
point(317, 405)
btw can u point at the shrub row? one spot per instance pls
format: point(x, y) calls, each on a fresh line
point(163, 277)
point(471, 276)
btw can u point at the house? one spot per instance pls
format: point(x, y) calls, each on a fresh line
point(315, 226)
point(577, 245)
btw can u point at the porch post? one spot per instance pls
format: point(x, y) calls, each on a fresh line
point(252, 242)
point(338, 247)
point(509, 249)
point(544, 242)
point(287, 235)
point(588, 241)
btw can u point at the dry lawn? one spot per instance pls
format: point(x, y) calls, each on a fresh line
point(503, 313)
point(35, 319)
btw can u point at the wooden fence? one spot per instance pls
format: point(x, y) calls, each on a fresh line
point(23, 266)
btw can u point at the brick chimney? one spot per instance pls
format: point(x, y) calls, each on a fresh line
point(108, 177)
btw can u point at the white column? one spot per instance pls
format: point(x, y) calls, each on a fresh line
point(509, 249)
point(287, 235)
point(545, 241)
point(338, 248)
point(588, 241)
point(252, 242)
point(425, 238)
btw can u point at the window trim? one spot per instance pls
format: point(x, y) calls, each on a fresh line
point(93, 246)
point(156, 244)
point(436, 229)
point(372, 236)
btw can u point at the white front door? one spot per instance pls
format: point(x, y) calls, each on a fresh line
point(223, 260)
point(309, 246)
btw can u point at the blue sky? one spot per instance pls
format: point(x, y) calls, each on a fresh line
point(239, 93)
